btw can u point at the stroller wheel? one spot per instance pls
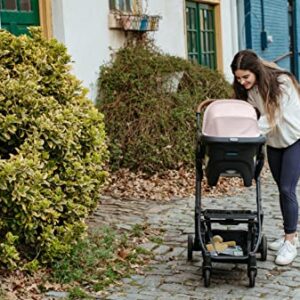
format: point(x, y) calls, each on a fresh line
point(263, 248)
point(206, 277)
point(190, 247)
point(252, 274)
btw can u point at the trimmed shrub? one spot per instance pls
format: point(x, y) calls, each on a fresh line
point(52, 150)
point(149, 101)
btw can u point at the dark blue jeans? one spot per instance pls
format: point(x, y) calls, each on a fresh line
point(285, 168)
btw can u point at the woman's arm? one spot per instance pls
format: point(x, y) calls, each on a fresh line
point(285, 105)
point(264, 125)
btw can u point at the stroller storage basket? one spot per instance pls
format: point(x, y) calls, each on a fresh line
point(228, 144)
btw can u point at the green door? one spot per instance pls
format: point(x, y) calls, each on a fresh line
point(17, 15)
point(201, 34)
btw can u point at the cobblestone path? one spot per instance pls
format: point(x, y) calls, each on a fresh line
point(170, 276)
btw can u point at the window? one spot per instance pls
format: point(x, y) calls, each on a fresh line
point(122, 5)
point(201, 42)
point(17, 15)
point(18, 5)
point(25, 5)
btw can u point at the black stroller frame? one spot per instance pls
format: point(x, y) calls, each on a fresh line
point(252, 241)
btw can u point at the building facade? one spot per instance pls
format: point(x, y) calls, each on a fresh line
point(272, 30)
point(197, 30)
point(208, 32)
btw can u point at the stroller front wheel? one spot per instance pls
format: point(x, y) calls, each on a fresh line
point(190, 247)
point(252, 275)
point(206, 277)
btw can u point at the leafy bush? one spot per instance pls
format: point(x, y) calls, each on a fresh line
point(149, 101)
point(52, 152)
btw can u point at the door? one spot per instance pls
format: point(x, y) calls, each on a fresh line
point(18, 15)
point(201, 35)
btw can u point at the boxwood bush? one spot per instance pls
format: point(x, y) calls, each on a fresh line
point(52, 152)
point(149, 101)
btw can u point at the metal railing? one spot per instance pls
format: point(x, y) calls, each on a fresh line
point(281, 57)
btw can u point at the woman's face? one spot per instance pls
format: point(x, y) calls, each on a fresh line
point(246, 78)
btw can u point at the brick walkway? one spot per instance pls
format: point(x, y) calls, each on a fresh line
point(170, 276)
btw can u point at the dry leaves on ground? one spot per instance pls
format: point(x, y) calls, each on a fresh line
point(166, 186)
point(126, 185)
point(21, 286)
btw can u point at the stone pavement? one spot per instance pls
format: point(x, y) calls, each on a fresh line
point(170, 276)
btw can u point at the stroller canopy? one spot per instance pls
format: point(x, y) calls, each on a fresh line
point(230, 118)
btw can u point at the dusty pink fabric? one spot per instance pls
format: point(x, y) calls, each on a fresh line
point(230, 118)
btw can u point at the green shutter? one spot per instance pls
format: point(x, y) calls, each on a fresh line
point(201, 34)
point(193, 38)
point(16, 20)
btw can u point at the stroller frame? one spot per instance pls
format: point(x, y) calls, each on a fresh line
point(252, 240)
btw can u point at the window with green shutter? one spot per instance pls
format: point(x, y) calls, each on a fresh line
point(201, 35)
point(18, 15)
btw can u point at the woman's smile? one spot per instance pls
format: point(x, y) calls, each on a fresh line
point(245, 78)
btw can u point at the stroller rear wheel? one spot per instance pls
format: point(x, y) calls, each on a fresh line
point(190, 247)
point(263, 248)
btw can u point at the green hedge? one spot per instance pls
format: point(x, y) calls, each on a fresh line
point(52, 149)
point(149, 101)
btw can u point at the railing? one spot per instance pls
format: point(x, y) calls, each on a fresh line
point(281, 57)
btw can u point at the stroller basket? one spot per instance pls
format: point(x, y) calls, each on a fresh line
point(228, 144)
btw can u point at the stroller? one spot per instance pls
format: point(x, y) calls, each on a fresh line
point(229, 145)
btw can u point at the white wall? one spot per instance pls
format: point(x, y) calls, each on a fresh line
point(170, 37)
point(84, 30)
point(83, 27)
point(229, 35)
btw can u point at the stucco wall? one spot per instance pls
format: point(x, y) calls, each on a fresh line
point(84, 30)
point(229, 35)
point(170, 37)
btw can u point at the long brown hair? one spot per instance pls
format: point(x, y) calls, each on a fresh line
point(267, 81)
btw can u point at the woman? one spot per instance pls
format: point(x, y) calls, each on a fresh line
point(275, 94)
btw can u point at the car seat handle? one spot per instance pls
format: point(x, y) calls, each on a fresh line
point(203, 104)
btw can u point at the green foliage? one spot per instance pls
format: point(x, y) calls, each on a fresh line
point(157, 240)
point(52, 152)
point(77, 293)
point(101, 258)
point(149, 101)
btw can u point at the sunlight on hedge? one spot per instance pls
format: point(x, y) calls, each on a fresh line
point(52, 152)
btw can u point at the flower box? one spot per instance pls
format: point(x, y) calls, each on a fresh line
point(130, 22)
point(139, 22)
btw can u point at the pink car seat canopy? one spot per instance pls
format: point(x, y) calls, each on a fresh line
point(230, 118)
